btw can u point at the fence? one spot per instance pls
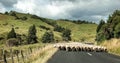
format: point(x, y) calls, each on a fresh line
point(17, 56)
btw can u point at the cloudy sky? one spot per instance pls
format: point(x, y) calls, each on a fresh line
point(92, 10)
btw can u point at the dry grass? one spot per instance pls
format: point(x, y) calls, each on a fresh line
point(41, 56)
point(112, 45)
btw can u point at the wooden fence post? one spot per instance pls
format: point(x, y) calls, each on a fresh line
point(22, 56)
point(4, 56)
point(11, 52)
point(17, 52)
point(30, 49)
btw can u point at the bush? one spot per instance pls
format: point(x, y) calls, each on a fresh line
point(48, 37)
point(11, 34)
point(12, 13)
point(23, 18)
point(12, 42)
point(66, 35)
point(59, 28)
point(43, 27)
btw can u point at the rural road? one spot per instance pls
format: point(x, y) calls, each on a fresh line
point(83, 57)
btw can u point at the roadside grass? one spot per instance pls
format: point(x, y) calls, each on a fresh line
point(112, 45)
point(43, 55)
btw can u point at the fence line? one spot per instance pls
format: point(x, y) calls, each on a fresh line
point(18, 56)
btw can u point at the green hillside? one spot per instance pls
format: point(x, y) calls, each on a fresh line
point(80, 32)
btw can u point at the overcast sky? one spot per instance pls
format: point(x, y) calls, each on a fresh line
point(91, 10)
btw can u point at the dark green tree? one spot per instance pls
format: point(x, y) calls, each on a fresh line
point(32, 38)
point(102, 22)
point(117, 31)
point(11, 34)
point(6, 13)
point(48, 37)
point(66, 35)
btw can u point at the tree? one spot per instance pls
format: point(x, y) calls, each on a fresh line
point(6, 13)
point(100, 25)
point(11, 34)
point(32, 38)
point(117, 31)
point(48, 37)
point(66, 35)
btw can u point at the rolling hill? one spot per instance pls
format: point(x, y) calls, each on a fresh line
point(79, 32)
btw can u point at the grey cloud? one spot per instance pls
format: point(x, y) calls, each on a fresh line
point(92, 10)
point(8, 3)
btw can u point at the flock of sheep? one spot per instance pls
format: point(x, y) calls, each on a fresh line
point(75, 46)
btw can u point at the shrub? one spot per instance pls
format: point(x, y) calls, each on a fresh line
point(12, 42)
point(48, 37)
point(11, 34)
point(59, 28)
point(43, 27)
point(66, 35)
point(23, 18)
point(12, 13)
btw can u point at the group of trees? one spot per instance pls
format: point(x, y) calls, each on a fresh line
point(14, 39)
point(110, 29)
